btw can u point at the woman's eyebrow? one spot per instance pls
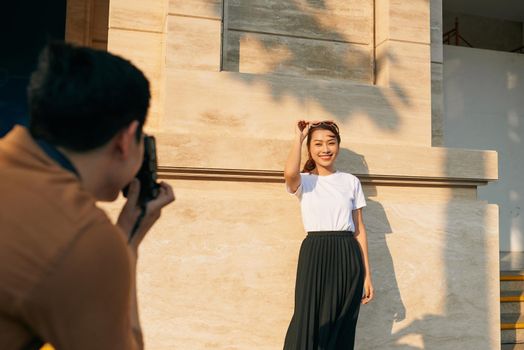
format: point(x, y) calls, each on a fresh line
point(321, 140)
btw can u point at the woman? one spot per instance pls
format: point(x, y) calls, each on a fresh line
point(333, 266)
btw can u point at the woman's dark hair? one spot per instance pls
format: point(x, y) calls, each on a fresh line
point(310, 164)
point(79, 98)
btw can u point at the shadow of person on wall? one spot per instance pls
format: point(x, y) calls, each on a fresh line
point(421, 328)
point(376, 320)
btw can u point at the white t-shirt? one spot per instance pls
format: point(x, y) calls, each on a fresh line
point(327, 202)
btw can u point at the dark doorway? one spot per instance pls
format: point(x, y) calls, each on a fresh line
point(25, 27)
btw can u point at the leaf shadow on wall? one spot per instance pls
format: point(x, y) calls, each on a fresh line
point(303, 57)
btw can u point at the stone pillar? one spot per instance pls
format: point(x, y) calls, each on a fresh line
point(137, 31)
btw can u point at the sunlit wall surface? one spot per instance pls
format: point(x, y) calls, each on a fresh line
point(484, 109)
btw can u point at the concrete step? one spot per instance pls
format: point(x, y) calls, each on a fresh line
point(511, 296)
point(512, 321)
point(512, 347)
point(511, 302)
point(511, 281)
point(512, 308)
point(508, 286)
point(512, 275)
point(512, 336)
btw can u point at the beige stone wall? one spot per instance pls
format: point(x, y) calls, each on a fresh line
point(218, 270)
point(297, 38)
point(229, 79)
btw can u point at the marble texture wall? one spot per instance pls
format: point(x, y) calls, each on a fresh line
point(319, 40)
point(218, 270)
point(229, 78)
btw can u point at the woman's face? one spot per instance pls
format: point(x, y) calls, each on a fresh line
point(324, 148)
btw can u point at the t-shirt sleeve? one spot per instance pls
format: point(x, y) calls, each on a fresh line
point(298, 192)
point(85, 301)
point(359, 200)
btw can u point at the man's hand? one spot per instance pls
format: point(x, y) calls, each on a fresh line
point(131, 212)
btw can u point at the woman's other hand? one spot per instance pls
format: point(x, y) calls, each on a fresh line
point(369, 292)
point(302, 129)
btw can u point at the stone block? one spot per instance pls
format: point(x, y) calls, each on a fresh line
point(275, 54)
point(336, 20)
point(197, 8)
point(424, 256)
point(147, 51)
point(402, 21)
point(193, 43)
point(265, 106)
point(393, 161)
point(138, 15)
point(405, 67)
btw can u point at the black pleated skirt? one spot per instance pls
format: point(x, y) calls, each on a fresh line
point(328, 292)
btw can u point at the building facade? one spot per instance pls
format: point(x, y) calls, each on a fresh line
point(229, 78)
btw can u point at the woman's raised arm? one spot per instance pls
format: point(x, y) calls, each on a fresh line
point(292, 169)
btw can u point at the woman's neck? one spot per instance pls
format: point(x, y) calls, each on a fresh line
point(321, 171)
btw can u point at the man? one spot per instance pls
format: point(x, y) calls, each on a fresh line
point(67, 273)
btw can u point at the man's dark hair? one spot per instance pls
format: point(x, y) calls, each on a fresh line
point(79, 98)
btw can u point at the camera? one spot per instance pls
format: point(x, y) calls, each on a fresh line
point(147, 175)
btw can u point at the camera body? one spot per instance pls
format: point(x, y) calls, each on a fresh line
point(147, 175)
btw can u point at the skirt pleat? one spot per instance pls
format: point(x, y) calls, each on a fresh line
point(328, 292)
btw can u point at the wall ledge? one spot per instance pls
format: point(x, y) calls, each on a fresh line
point(225, 156)
point(273, 176)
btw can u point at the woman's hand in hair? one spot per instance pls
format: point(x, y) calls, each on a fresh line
point(302, 129)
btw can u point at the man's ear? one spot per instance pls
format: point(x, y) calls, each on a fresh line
point(125, 138)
